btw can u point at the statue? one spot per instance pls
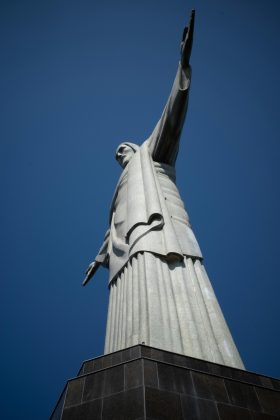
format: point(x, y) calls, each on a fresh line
point(160, 294)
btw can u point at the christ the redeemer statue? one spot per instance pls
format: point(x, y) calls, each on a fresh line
point(160, 293)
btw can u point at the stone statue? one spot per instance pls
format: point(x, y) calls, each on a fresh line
point(160, 294)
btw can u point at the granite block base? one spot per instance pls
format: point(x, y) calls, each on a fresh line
point(146, 383)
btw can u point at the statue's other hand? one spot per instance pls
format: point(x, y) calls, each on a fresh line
point(187, 40)
point(90, 272)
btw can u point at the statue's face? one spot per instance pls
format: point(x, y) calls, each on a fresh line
point(124, 154)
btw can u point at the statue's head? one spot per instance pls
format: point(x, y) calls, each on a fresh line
point(125, 152)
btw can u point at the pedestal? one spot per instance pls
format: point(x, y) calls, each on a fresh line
point(146, 383)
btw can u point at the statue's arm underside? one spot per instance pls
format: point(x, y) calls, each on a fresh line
point(164, 141)
point(102, 256)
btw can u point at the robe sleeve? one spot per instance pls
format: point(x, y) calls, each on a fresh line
point(164, 141)
point(103, 254)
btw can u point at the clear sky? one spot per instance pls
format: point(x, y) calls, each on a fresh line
point(78, 78)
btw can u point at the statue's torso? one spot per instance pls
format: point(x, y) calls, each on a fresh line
point(155, 241)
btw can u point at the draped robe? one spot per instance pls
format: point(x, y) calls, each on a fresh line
point(160, 294)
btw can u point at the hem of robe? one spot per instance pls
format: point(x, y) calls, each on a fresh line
point(171, 306)
point(169, 258)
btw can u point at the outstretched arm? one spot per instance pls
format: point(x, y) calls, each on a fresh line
point(100, 259)
point(164, 141)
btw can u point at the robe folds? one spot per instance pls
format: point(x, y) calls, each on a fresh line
point(143, 217)
point(147, 215)
point(160, 293)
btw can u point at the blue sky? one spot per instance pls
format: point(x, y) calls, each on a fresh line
point(78, 78)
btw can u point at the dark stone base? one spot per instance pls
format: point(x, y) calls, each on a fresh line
point(146, 383)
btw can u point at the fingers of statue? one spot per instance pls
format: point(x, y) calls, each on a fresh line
point(90, 268)
point(89, 273)
point(187, 41)
point(191, 25)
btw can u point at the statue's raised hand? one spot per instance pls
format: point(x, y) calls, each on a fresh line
point(187, 40)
